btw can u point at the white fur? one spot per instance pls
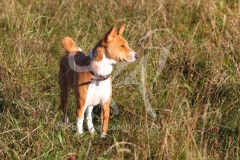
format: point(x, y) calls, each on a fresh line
point(104, 67)
point(103, 135)
point(80, 125)
point(97, 94)
point(133, 55)
point(89, 119)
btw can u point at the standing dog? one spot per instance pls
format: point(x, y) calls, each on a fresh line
point(89, 76)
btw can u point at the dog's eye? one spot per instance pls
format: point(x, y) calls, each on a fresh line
point(122, 46)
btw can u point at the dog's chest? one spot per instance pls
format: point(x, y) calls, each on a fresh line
point(99, 92)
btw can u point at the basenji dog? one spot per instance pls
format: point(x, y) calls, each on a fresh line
point(89, 76)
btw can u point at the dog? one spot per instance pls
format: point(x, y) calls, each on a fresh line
point(89, 76)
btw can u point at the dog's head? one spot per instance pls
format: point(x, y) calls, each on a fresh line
point(115, 47)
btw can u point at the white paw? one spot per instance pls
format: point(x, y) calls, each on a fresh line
point(79, 125)
point(92, 131)
point(66, 120)
point(79, 132)
point(103, 135)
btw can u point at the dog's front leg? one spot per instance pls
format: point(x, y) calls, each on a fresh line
point(89, 120)
point(104, 118)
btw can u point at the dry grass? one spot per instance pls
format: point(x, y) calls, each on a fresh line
point(195, 93)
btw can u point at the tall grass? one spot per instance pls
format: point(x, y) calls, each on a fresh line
point(195, 93)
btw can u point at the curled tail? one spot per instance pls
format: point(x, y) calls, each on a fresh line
point(69, 45)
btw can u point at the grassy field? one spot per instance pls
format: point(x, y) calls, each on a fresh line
point(188, 73)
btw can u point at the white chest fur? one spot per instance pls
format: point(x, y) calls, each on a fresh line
point(98, 93)
point(104, 67)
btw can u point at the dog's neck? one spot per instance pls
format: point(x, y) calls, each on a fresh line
point(102, 67)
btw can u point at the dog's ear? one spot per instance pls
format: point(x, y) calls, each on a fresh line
point(121, 29)
point(110, 34)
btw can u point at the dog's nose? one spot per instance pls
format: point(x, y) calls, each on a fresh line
point(136, 56)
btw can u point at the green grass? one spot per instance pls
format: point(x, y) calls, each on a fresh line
point(195, 95)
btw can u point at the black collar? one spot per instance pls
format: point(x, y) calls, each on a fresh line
point(95, 80)
point(96, 77)
point(100, 78)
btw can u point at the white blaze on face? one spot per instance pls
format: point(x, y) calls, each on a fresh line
point(134, 55)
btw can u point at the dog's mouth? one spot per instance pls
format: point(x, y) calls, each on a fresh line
point(118, 59)
point(123, 60)
point(126, 60)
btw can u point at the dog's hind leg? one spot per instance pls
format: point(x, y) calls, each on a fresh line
point(65, 91)
point(64, 104)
